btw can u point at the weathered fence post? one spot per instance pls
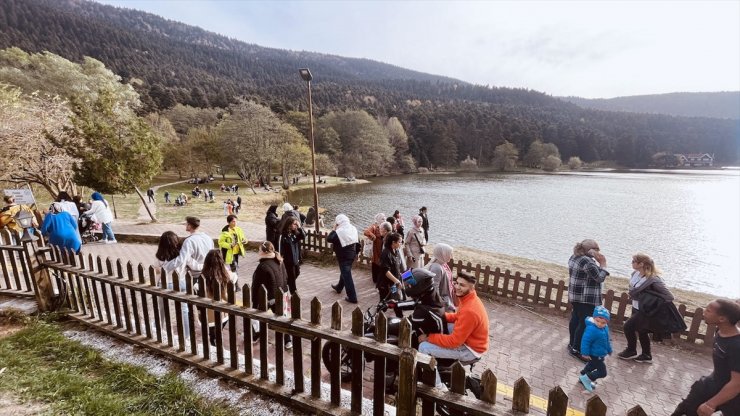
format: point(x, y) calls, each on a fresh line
point(406, 399)
point(41, 280)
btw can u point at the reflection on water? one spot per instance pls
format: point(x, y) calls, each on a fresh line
point(688, 221)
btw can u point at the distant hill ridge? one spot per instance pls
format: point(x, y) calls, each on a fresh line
point(446, 119)
point(724, 104)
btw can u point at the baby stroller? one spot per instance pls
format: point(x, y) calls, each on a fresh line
point(87, 227)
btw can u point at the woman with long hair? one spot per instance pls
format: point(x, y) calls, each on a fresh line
point(216, 277)
point(271, 274)
point(291, 236)
point(439, 265)
point(390, 263)
point(271, 225)
point(645, 280)
point(168, 250)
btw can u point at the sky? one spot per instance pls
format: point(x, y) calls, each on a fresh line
point(592, 49)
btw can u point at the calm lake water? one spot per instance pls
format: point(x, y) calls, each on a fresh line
point(688, 221)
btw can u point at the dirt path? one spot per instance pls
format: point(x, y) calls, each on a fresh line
point(142, 214)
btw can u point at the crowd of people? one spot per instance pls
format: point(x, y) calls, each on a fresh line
point(393, 251)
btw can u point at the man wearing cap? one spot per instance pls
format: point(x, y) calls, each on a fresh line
point(194, 249)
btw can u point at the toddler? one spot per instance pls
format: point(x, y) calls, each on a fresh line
point(595, 346)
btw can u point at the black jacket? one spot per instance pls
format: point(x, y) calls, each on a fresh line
point(271, 274)
point(290, 247)
point(661, 315)
point(346, 253)
point(271, 231)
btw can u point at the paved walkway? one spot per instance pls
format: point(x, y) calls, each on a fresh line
point(523, 343)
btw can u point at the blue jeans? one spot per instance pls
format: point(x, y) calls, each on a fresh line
point(345, 279)
point(577, 324)
point(595, 368)
point(461, 353)
point(108, 232)
point(183, 309)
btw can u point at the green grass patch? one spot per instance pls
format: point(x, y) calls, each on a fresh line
point(43, 365)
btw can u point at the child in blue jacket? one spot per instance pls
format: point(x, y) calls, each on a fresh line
point(595, 346)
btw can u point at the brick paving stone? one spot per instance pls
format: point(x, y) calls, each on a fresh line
point(523, 344)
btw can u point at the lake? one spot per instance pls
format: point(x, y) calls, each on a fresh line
point(688, 221)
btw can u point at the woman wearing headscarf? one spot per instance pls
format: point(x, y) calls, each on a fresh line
point(68, 205)
point(374, 234)
point(346, 245)
point(439, 265)
point(99, 208)
point(415, 242)
point(61, 229)
point(271, 225)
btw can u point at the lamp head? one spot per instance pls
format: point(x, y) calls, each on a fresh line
point(305, 74)
point(24, 218)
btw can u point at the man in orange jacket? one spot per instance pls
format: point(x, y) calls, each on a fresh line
point(468, 339)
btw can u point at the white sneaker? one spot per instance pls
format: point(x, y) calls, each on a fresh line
point(110, 241)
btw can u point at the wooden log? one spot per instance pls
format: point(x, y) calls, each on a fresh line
point(636, 411)
point(166, 310)
point(233, 351)
point(203, 319)
point(595, 407)
point(505, 286)
point(559, 297)
point(262, 306)
point(316, 350)
point(247, 331)
point(520, 399)
point(144, 303)
point(537, 291)
point(548, 292)
point(517, 281)
point(155, 306)
point(134, 300)
point(358, 330)
point(124, 300)
point(381, 335)
point(190, 291)
point(695, 323)
point(404, 333)
point(622, 309)
point(335, 375)
point(457, 380)
point(489, 383)
point(406, 397)
point(428, 377)
point(295, 314)
point(557, 402)
point(179, 324)
point(487, 279)
point(279, 339)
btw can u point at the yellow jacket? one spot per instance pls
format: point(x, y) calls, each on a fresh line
point(232, 241)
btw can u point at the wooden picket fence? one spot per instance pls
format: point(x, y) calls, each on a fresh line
point(550, 294)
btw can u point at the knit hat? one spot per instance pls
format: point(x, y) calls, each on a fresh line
point(601, 312)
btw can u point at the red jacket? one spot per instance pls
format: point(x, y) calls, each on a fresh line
point(471, 326)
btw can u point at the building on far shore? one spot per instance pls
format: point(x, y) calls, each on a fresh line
point(695, 160)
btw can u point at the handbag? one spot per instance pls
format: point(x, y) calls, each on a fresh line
point(367, 247)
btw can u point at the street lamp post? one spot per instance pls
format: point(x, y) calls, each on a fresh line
point(306, 75)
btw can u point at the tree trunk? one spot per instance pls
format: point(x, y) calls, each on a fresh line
point(146, 206)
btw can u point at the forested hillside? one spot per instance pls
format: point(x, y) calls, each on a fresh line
point(724, 104)
point(446, 120)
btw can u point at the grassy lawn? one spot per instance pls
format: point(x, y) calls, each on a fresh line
point(44, 366)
